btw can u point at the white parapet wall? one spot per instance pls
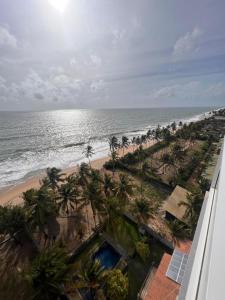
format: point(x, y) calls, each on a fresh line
point(205, 270)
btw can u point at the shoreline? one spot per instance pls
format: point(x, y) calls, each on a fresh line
point(12, 194)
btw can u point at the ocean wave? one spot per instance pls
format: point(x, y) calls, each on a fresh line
point(29, 161)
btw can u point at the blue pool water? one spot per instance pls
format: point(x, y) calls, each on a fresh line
point(107, 256)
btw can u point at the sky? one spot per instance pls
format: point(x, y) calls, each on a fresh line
point(111, 53)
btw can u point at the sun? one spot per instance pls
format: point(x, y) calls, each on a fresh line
point(60, 5)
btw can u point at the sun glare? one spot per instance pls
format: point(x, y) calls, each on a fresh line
point(60, 5)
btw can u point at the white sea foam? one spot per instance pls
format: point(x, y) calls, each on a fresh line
point(16, 167)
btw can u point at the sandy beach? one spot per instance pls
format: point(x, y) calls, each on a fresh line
point(13, 194)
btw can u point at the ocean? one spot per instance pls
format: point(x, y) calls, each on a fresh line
point(32, 141)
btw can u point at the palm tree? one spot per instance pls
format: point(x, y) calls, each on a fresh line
point(167, 161)
point(157, 133)
point(68, 197)
point(14, 222)
point(193, 208)
point(141, 210)
point(113, 144)
point(112, 208)
point(124, 188)
point(174, 126)
point(54, 176)
point(146, 169)
point(91, 276)
point(177, 152)
point(88, 153)
point(179, 230)
point(108, 185)
point(149, 134)
point(49, 273)
point(138, 141)
point(92, 195)
point(40, 206)
point(84, 172)
point(124, 142)
point(133, 142)
point(96, 176)
point(114, 157)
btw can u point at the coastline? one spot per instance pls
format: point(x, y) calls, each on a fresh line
point(13, 194)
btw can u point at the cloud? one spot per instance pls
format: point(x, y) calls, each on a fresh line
point(97, 85)
point(35, 90)
point(174, 91)
point(96, 60)
point(188, 43)
point(118, 36)
point(192, 89)
point(7, 39)
point(217, 89)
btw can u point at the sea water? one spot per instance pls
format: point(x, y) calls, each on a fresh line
point(32, 141)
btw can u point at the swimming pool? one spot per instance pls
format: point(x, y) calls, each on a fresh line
point(107, 255)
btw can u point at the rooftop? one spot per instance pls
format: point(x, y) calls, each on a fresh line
point(172, 204)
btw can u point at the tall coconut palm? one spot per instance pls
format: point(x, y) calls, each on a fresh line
point(54, 176)
point(49, 273)
point(91, 276)
point(93, 196)
point(124, 142)
point(138, 141)
point(40, 206)
point(167, 160)
point(133, 142)
point(178, 152)
point(157, 133)
point(14, 222)
point(193, 208)
point(84, 172)
point(141, 210)
point(174, 126)
point(114, 157)
point(113, 144)
point(68, 197)
point(96, 176)
point(179, 230)
point(88, 153)
point(108, 185)
point(124, 188)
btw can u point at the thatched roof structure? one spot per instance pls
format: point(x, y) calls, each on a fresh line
point(171, 205)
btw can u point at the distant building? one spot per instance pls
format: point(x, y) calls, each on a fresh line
point(173, 209)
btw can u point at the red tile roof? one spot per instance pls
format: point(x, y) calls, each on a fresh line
point(161, 287)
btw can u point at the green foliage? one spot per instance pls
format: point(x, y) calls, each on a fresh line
point(193, 208)
point(54, 176)
point(68, 196)
point(124, 188)
point(143, 250)
point(179, 229)
point(91, 276)
point(13, 219)
point(48, 274)
point(135, 157)
point(116, 285)
point(39, 205)
point(141, 209)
